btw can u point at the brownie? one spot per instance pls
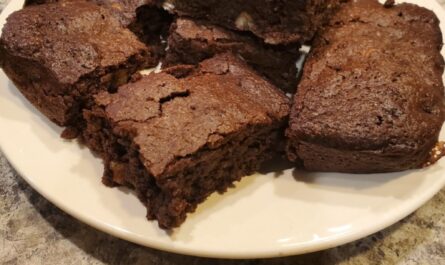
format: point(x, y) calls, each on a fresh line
point(192, 41)
point(371, 96)
point(59, 58)
point(182, 134)
point(275, 21)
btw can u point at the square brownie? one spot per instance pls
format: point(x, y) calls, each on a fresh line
point(182, 134)
point(371, 96)
point(191, 41)
point(59, 58)
point(274, 21)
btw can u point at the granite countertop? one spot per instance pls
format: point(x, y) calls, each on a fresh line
point(34, 232)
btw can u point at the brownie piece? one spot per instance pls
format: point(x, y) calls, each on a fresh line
point(191, 41)
point(371, 96)
point(59, 58)
point(180, 135)
point(275, 21)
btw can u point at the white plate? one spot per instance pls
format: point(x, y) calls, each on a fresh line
point(265, 216)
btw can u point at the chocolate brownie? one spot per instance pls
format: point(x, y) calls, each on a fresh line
point(275, 21)
point(191, 41)
point(180, 135)
point(371, 96)
point(58, 58)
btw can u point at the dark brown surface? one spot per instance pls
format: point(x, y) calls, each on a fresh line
point(275, 21)
point(149, 22)
point(39, 2)
point(125, 10)
point(142, 17)
point(371, 96)
point(178, 137)
point(190, 42)
point(59, 54)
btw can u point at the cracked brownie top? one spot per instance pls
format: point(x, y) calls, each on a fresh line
point(169, 115)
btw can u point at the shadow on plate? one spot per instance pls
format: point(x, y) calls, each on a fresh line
point(276, 166)
point(18, 109)
point(336, 188)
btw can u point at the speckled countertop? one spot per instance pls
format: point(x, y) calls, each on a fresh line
point(34, 232)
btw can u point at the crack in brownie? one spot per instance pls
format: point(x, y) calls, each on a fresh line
point(371, 96)
point(180, 135)
point(191, 41)
point(59, 58)
point(275, 21)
